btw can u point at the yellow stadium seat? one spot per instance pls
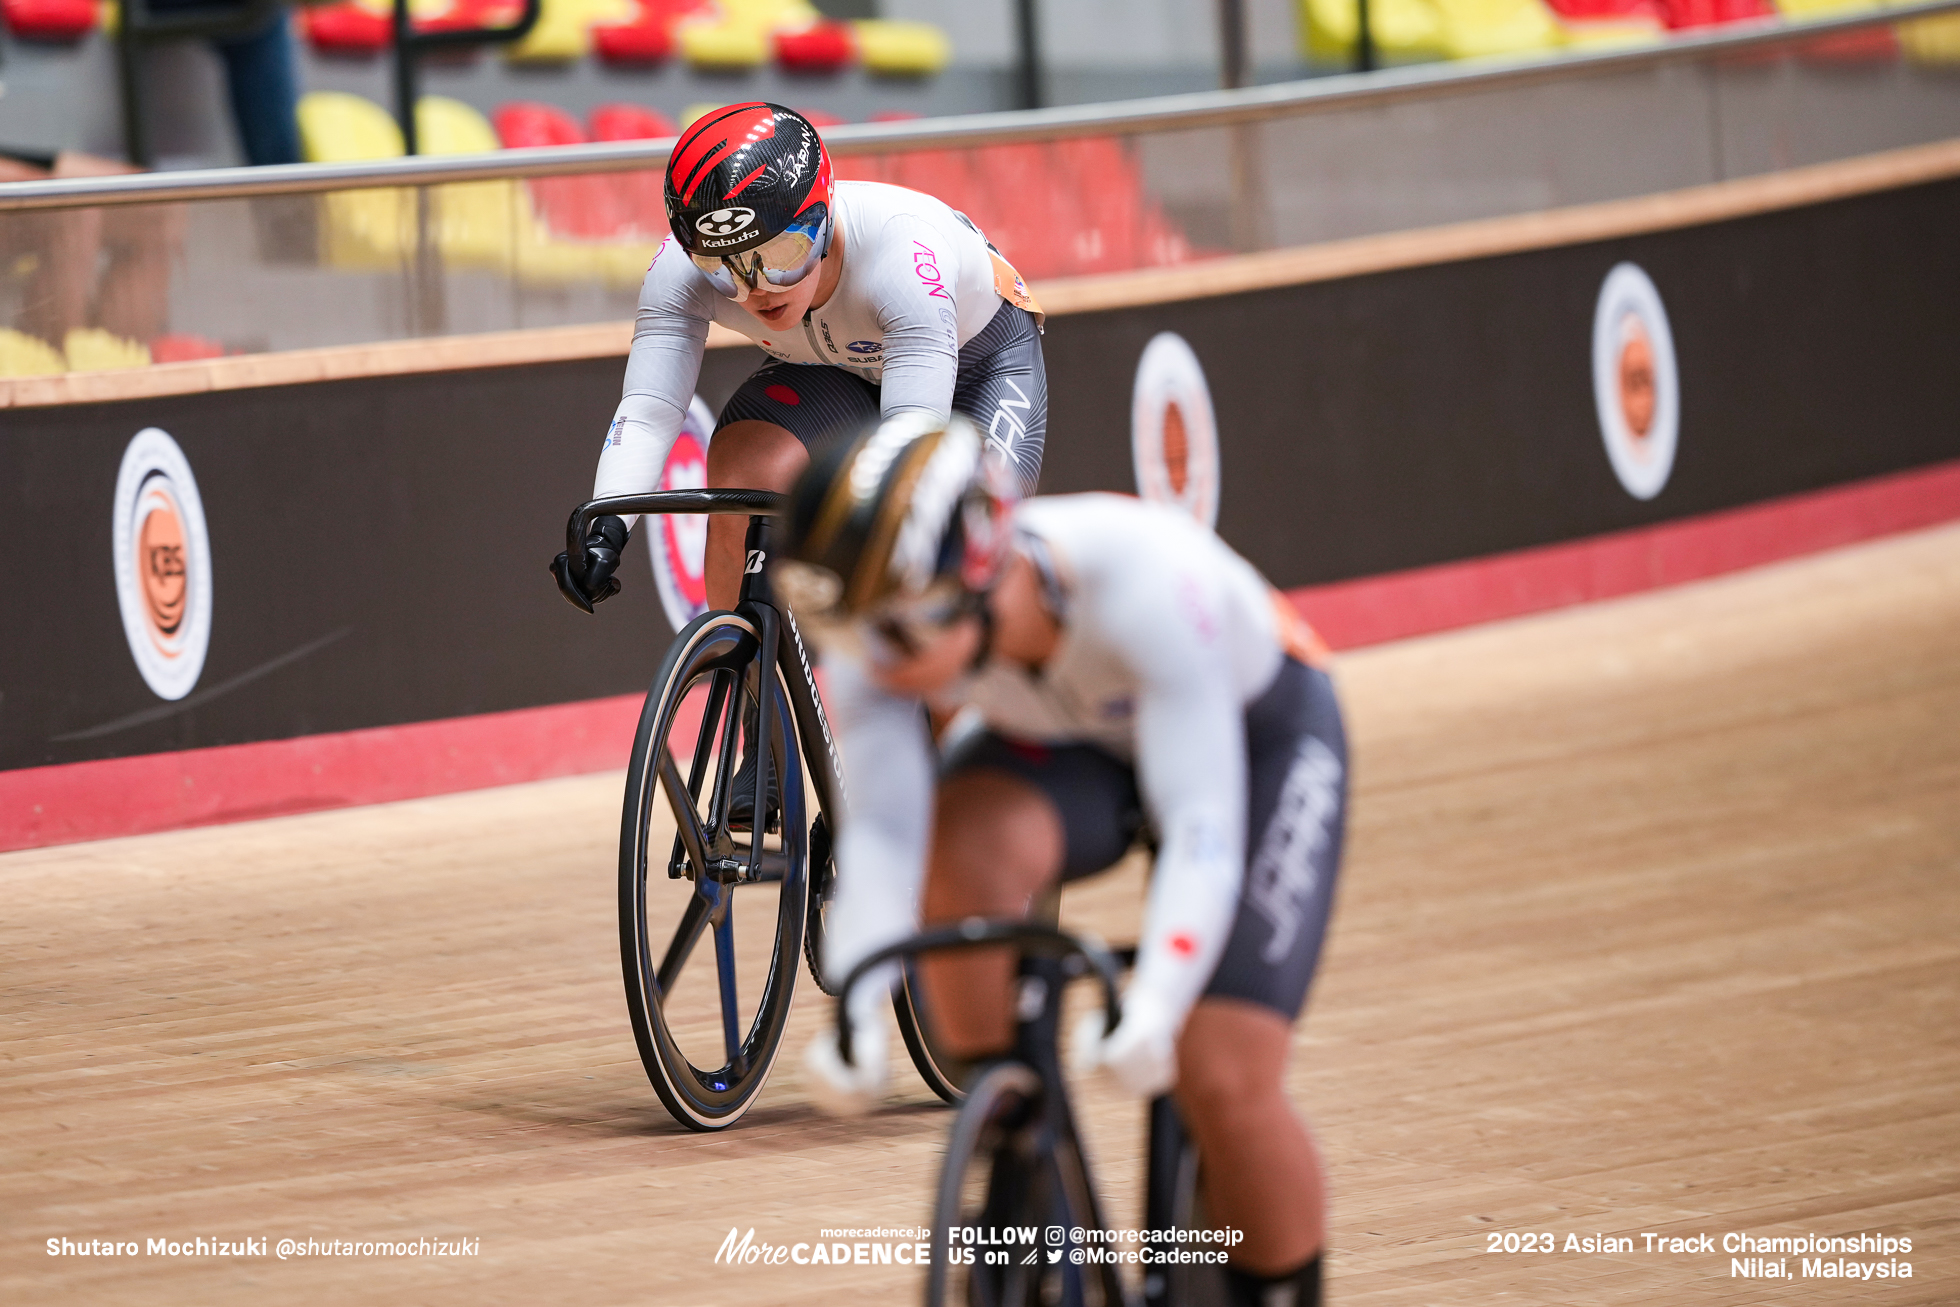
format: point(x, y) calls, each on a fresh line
point(336, 127)
point(1597, 24)
point(770, 14)
point(478, 223)
point(363, 229)
point(22, 355)
point(1601, 36)
point(900, 48)
point(563, 33)
point(722, 38)
point(1876, 44)
point(487, 224)
point(1802, 9)
point(1932, 40)
point(1401, 29)
point(1474, 29)
point(91, 349)
point(446, 126)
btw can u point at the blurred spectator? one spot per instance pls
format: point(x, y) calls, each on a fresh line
point(260, 76)
point(80, 273)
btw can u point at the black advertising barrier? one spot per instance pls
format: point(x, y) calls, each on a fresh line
point(1444, 412)
point(379, 545)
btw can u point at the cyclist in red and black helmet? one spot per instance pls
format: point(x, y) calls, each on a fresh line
point(870, 301)
point(748, 196)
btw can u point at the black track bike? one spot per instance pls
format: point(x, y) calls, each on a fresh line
point(752, 873)
point(1015, 1162)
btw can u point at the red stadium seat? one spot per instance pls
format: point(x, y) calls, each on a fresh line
point(347, 29)
point(587, 208)
point(1102, 179)
point(1608, 22)
point(942, 173)
point(822, 47)
point(636, 193)
point(632, 43)
point(630, 122)
point(183, 347)
point(1710, 13)
point(648, 38)
point(526, 122)
point(1013, 196)
point(49, 20)
point(363, 27)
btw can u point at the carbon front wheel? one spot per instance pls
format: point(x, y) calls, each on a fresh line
point(1010, 1184)
point(711, 917)
point(1184, 1283)
point(943, 1073)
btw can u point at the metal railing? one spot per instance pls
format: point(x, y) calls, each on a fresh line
point(1167, 113)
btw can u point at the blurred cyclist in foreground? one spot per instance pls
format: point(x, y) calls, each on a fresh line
point(1130, 669)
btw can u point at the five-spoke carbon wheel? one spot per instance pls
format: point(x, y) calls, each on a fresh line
point(711, 919)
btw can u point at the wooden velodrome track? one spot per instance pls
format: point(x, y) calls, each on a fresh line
point(1648, 925)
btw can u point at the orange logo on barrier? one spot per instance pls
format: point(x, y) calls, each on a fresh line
point(1636, 384)
point(1173, 430)
point(163, 564)
point(1177, 448)
point(1637, 380)
point(160, 563)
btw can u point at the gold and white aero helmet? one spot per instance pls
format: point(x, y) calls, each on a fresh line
point(896, 535)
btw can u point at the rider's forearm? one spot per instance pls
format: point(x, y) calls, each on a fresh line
point(881, 850)
point(670, 334)
point(1191, 763)
point(1194, 895)
point(643, 430)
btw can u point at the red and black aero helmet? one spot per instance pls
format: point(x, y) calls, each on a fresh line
point(749, 197)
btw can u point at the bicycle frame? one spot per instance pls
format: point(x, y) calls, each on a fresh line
point(1050, 958)
point(759, 606)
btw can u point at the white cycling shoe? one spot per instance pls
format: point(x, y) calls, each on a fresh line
point(847, 1090)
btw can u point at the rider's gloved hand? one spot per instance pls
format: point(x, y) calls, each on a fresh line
point(1140, 1054)
point(840, 1090)
point(589, 579)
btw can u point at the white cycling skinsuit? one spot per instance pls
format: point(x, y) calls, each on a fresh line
point(1169, 640)
point(919, 282)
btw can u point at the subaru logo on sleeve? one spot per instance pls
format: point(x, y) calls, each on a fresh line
point(724, 222)
point(865, 347)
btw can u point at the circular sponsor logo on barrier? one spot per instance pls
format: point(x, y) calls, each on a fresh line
point(679, 541)
point(163, 564)
point(1636, 387)
point(1173, 432)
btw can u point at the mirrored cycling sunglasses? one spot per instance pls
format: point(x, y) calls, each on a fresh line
point(778, 263)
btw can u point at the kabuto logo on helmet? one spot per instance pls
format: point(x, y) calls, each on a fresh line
point(724, 222)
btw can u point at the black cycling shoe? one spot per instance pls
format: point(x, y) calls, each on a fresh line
point(741, 800)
